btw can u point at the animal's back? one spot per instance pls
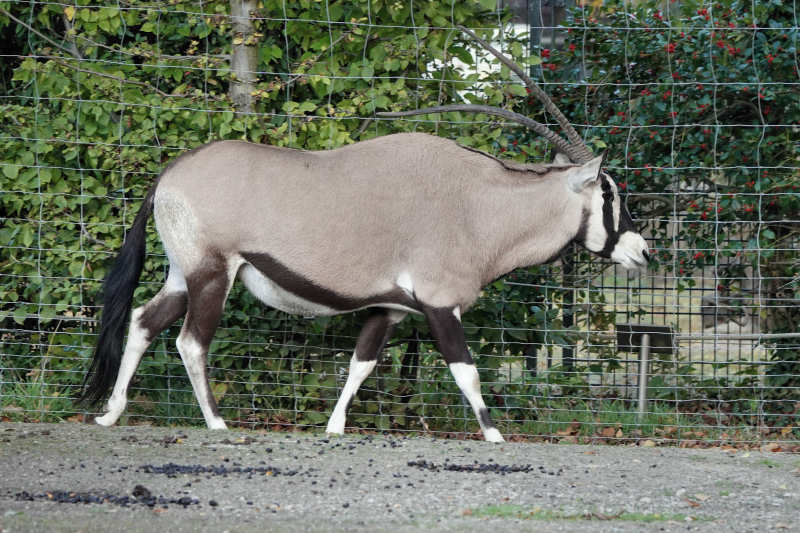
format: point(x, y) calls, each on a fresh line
point(379, 206)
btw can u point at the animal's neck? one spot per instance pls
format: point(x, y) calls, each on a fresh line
point(528, 224)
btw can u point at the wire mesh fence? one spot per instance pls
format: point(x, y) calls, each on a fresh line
point(697, 106)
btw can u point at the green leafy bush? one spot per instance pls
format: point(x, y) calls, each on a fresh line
point(697, 107)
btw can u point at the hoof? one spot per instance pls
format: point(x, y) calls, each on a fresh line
point(493, 435)
point(217, 423)
point(107, 420)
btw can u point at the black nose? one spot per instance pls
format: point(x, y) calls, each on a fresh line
point(646, 255)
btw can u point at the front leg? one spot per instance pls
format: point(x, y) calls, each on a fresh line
point(448, 332)
point(374, 334)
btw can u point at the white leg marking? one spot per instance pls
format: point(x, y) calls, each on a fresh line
point(175, 280)
point(134, 349)
point(193, 357)
point(457, 313)
point(359, 370)
point(493, 435)
point(466, 376)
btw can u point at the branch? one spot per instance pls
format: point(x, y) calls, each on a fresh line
point(117, 78)
point(150, 55)
point(310, 62)
point(364, 125)
point(89, 236)
point(70, 36)
point(40, 34)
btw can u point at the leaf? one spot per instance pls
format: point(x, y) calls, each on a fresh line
point(27, 235)
point(608, 432)
point(367, 71)
point(534, 60)
point(20, 314)
point(10, 171)
point(219, 388)
point(307, 106)
point(517, 90)
point(69, 12)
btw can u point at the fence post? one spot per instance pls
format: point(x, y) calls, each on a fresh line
point(644, 361)
point(244, 59)
point(568, 352)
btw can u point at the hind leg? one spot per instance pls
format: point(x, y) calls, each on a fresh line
point(147, 322)
point(208, 290)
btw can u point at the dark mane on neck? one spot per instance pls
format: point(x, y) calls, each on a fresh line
point(535, 168)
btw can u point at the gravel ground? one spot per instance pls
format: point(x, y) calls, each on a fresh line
point(72, 477)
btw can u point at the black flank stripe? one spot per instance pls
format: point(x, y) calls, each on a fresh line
point(306, 289)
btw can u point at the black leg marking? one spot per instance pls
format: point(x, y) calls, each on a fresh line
point(208, 290)
point(485, 419)
point(449, 334)
point(146, 322)
point(374, 335)
point(160, 312)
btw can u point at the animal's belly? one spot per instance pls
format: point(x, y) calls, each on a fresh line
point(316, 301)
point(275, 296)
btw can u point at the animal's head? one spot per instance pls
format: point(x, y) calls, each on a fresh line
point(607, 228)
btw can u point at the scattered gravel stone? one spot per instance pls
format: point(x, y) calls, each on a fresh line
point(138, 497)
point(480, 468)
point(173, 470)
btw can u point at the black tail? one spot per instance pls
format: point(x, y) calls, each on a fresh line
point(117, 299)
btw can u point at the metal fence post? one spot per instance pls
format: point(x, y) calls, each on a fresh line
point(644, 360)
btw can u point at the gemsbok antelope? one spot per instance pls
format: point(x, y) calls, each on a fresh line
point(405, 223)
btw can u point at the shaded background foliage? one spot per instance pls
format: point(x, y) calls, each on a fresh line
point(697, 107)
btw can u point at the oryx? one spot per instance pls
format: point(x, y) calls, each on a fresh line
point(405, 223)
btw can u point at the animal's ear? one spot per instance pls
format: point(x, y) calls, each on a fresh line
point(580, 177)
point(562, 159)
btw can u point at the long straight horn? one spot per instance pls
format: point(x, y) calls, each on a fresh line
point(572, 135)
point(560, 144)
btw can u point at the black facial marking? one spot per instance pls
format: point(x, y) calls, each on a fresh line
point(625, 220)
point(308, 290)
point(449, 334)
point(608, 217)
point(612, 235)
